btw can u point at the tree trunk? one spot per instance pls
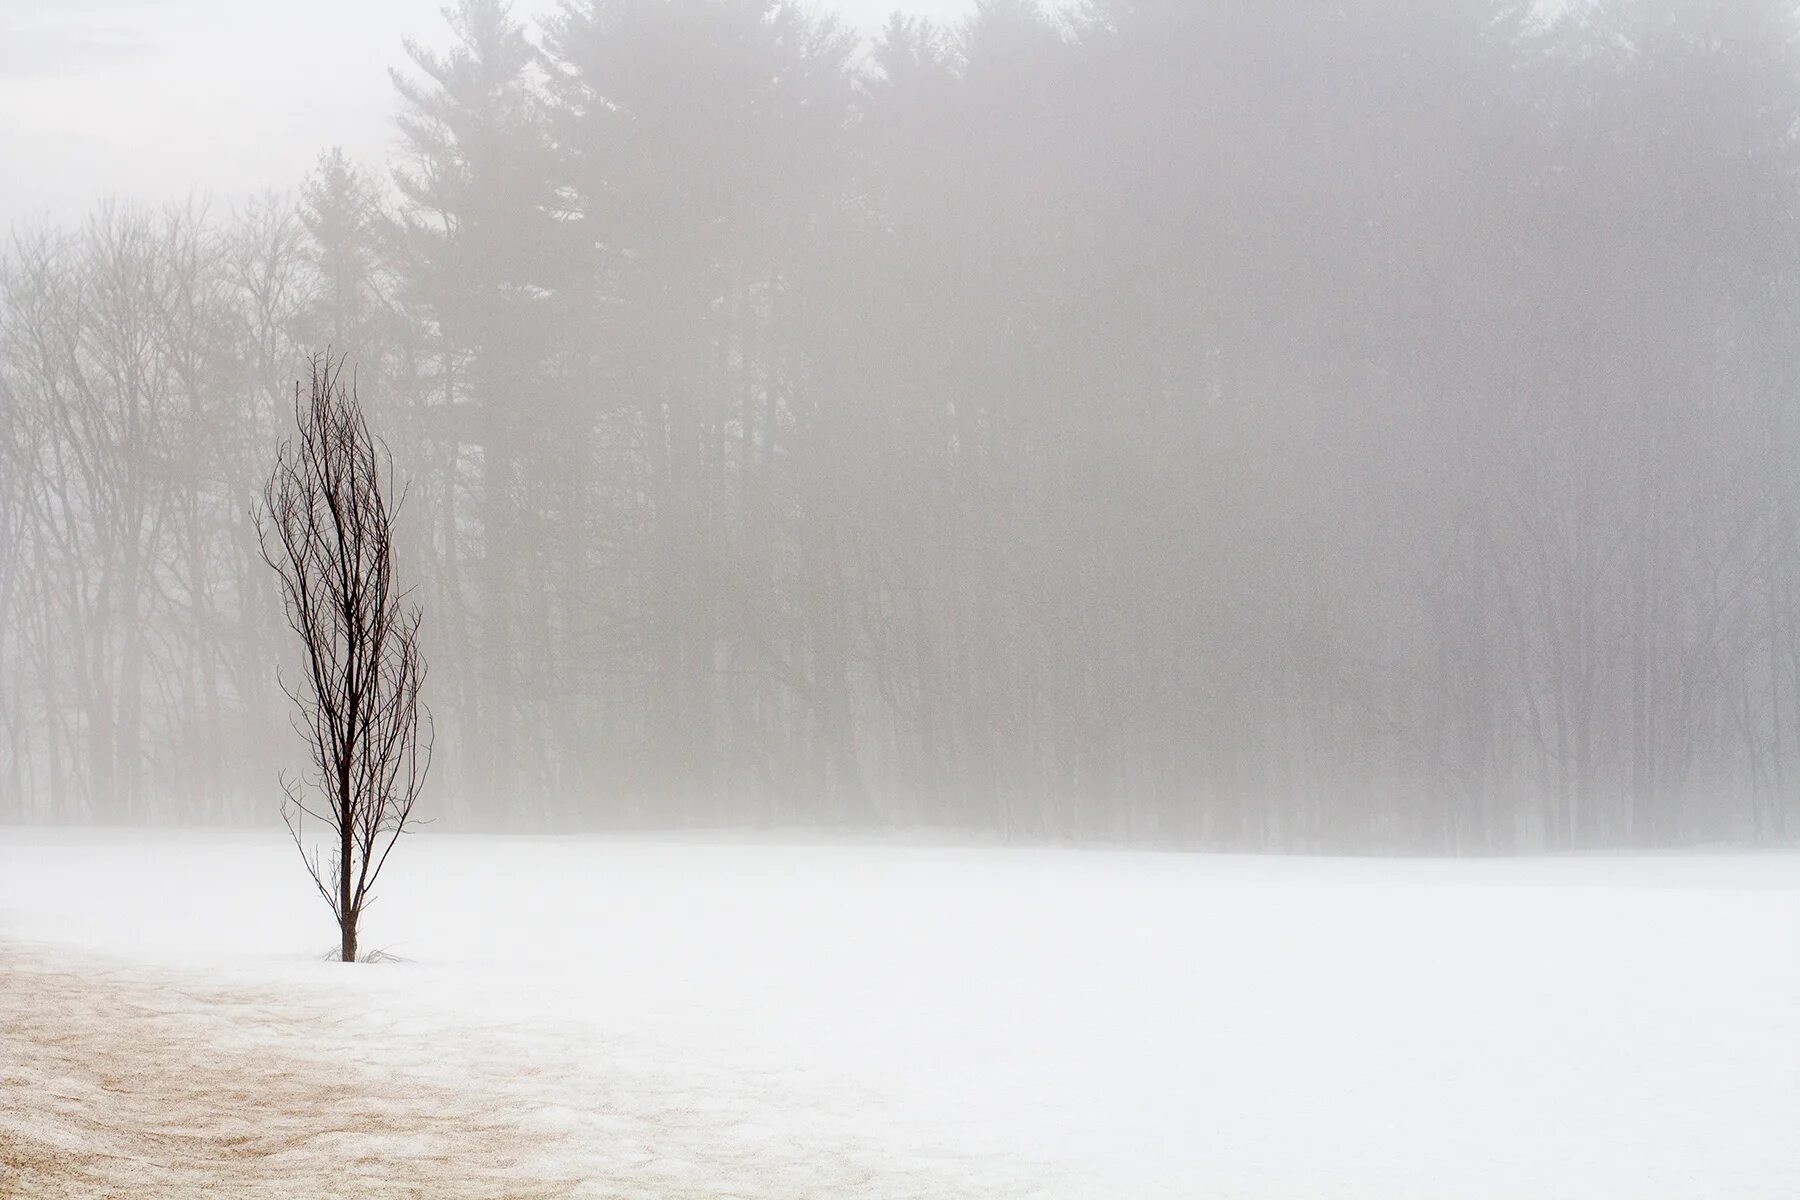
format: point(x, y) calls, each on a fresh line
point(347, 913)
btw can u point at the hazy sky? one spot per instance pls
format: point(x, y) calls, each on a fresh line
point(157, 98)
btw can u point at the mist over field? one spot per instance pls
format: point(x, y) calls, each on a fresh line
point(1360, 426)
point(1124, 598)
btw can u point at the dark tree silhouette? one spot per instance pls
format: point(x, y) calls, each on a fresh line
point(325, 526)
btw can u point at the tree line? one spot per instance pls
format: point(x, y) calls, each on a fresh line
point(1296, 426)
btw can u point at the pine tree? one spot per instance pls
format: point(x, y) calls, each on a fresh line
point(475, 252)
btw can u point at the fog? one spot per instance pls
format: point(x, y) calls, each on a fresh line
point(162, 99)
point(1352, 427)
point(1139, 599)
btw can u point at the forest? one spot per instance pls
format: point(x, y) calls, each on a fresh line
point(1365, 426)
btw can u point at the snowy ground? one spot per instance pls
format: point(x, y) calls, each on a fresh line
point(682, 1018)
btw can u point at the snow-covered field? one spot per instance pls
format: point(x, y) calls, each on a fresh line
point(693, 1018)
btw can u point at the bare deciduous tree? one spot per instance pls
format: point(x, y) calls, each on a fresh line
point(325, 525)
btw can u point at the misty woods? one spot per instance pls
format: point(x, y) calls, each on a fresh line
point(1243, 424)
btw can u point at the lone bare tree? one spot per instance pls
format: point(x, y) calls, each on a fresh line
point(325, 525)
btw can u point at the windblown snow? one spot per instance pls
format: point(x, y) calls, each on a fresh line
point(691, 1018)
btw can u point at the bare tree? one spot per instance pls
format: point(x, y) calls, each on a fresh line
point(325, 525)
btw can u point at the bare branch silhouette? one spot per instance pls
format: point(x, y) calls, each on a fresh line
point(325, 526)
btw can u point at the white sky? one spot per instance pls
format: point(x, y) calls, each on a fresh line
point(154, 99)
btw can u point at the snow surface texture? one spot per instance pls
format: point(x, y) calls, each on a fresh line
point(683, 1018)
